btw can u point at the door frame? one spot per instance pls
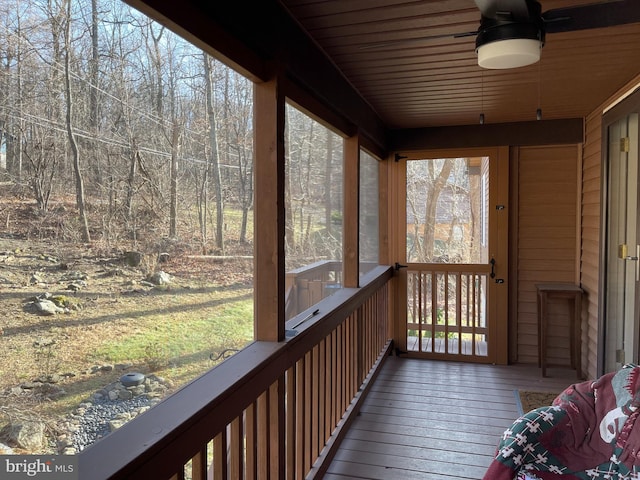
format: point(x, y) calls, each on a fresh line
point(620, 111)
point(498, 295)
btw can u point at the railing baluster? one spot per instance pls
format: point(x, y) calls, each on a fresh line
point(262, 431)
point(434, 309)
point(220, 456)
point(334, 377)
point(445, 280)
point(291, 422)
point(199, 465)
point(421, 308)
point(315, 402)
point(236, 450)
point(328, 382)
point(252, 442)
point(276, 409)
point(308, 369)
point(322, 373)
point(300, 446)
point(472, 314)
point(458, 278)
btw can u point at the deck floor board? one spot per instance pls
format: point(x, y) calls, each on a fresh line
point(436, 420)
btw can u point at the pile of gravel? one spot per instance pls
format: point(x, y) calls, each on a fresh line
point(109, 409)
point(97, 420)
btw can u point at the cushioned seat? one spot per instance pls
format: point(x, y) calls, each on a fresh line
point(587, 434)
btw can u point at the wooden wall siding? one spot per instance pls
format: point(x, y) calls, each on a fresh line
point(590, 255)
point(546, 238)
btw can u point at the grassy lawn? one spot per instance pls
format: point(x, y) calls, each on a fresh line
point(176, 332)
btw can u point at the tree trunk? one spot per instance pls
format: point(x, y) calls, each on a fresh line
point(431, 203)
point(327, 183)
point(214, 161)
point(131, 180)
point(80, 200)
point(93, 69)
point(173, 208)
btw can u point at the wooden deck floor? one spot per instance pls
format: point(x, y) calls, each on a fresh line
point(435, 420)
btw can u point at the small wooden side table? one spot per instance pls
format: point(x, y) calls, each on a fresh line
point(570, 292)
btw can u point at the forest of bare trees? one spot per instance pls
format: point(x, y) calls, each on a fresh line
point(143, 131)
point(144, 135)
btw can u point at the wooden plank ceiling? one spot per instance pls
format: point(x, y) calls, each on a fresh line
point(426, 77)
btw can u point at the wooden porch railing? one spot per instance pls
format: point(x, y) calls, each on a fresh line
point(447, 310)
point(274, 410)
point(307, 285)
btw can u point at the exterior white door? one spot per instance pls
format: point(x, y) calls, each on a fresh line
point(623, 246)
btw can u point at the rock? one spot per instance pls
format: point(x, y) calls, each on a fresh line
point(137, 390)
point(5, 449)
point(64, 441)
point(76, 276)
point(74, 287)
point(160, 278)
point(28, 435)
point(47, 307)
point(54, 378)
point(36, 278)
point(31, 385)
point(116, 423)
point(125, 395)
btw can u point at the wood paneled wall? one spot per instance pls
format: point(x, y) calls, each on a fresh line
point(590, 231)
point(547, 242)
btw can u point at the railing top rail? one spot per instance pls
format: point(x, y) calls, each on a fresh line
point(449, 267)
point(320, 265)
point(152, 443)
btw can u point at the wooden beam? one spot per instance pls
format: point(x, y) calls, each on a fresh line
point(269, 225)
point(351, 224)
point(187, 19)
point(542, 132)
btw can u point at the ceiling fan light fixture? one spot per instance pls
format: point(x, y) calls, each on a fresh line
point(509, 53)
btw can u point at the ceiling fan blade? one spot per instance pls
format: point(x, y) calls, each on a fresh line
point(595, 15)
point(516, 10)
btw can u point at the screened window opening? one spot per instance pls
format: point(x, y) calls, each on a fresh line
point(314, 211)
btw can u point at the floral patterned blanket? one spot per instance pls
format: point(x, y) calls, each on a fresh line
point(589, 433)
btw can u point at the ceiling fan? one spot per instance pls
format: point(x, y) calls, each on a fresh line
point(512, 32)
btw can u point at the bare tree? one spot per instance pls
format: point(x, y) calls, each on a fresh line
point(214, 162)
point(80, 197)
